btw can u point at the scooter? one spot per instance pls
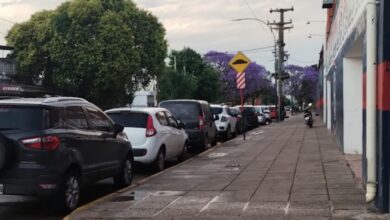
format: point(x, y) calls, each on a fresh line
point(308, 117)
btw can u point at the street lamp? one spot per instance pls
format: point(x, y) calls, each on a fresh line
point(315, 21)
point(315, 35)
point(261, 21)
point(273, 35)
point(266, 24)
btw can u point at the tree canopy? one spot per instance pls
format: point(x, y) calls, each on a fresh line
point(302, 83)
point(193, 77)
point(257, 83)
point(100, 50)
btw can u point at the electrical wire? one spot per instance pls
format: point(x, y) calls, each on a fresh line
point(8, 20)
point(303, 61)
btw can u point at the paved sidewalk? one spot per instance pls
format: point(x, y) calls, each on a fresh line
point(282, 171)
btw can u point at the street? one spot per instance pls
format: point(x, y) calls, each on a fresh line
point(22, 207)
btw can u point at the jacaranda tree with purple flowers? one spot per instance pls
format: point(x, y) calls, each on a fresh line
point(302, 84)
point(256, 77)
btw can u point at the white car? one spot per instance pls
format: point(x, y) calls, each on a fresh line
point(266, 113)
point(155, 135)
point(261, 115)
point(226, 124)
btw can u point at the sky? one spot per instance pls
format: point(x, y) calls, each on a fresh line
point(205, 25)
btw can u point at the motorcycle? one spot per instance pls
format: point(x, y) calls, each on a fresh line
point(308, 117)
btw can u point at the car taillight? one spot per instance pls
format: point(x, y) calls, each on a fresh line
point(48, 143)
point(201, 122)
point(150, 130)
point(223, 118)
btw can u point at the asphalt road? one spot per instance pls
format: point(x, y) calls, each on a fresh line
point(30, 208)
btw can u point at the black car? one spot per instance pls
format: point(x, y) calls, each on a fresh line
point(250, 116)
point(198, 121)
point(52, 147)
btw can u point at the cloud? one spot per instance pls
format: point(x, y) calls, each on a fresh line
point(206, 24)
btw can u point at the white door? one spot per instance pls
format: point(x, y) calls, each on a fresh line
point(176, 134)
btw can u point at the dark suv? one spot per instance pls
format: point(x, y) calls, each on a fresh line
point(198, 121)
point(53, 146)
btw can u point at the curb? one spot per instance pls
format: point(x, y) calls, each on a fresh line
point(140, 182)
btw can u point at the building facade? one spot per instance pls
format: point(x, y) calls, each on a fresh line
point(352, 33)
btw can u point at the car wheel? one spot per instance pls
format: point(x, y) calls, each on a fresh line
point(183, 154)
point(125, 177)
point(228, 134)
point(69, 192)
point(214, 142)
point(159, 162)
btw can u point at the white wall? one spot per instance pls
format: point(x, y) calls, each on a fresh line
point(352, 105)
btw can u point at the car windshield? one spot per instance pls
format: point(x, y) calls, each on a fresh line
point(21, 118)
point(129, 119)
point(216, 110)
point(183, 110)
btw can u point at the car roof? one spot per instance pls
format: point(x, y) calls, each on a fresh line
point(43, 101)
point(150, 110)
point(185, 100)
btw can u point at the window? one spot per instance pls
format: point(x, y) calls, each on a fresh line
point(184, 111)
point(75, 118)
point(216, 110)
point(172, 121)
point(129, 119)
point(207, 112)
point(23, 118)
point(97, 120)
point(162, 119)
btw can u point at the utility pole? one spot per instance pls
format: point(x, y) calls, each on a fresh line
point(280, 26)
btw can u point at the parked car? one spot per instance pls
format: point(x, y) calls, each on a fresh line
point(261, 118)
point(240, 122)
point(198, 121)
point(267, 114)
point(54, 146)
point(226, 124)
point(155, 134)
point(274, 112)
point(250, 116)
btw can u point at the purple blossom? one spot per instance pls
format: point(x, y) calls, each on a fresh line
point(255, 76)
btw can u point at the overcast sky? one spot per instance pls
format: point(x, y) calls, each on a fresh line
point(206, 25)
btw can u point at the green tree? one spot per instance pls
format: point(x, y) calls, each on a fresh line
point(190, 65)
point(100, 50)
point(175, 85)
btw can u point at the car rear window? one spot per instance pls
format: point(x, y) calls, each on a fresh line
point(183, 110)
point(26, 118)
point(216, 110)
point(129, 119)
point(249, 110)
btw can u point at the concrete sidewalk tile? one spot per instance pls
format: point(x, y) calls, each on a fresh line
point(224, 209)
point(290, 172)
point(308, 212)
point(322, 204)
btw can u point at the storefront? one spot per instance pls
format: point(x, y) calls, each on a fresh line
point(356, 107)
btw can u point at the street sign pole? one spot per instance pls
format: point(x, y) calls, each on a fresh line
point(239, 63)
point(242, 111)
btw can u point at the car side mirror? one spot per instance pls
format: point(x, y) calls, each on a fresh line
point(180, 125)
point(216, 117)
point(118, 129)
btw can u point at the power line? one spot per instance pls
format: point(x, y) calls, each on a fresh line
point(8, 20)
point(303, 61)
point(250, 9)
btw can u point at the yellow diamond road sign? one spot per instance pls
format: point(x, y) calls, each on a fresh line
point(239, 62)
